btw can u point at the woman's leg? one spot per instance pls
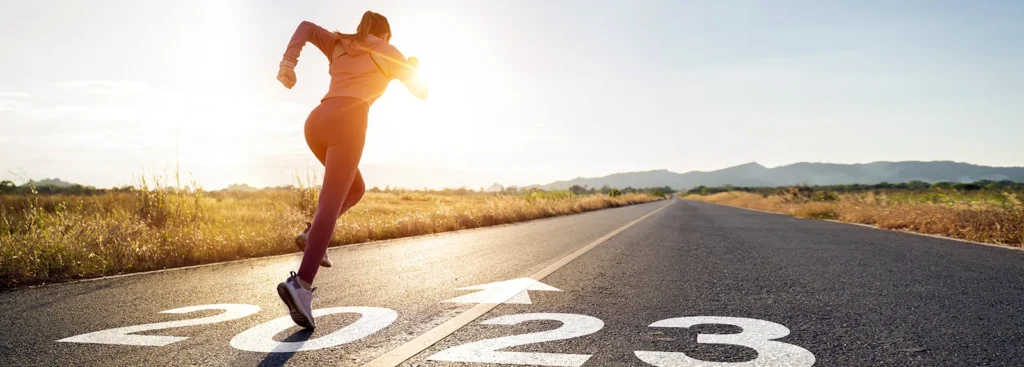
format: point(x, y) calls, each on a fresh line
point(358, 186)
point(354, 194)
point(339, 172)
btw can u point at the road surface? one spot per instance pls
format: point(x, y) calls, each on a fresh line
point(671, 283)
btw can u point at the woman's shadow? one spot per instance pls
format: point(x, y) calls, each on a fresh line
point(279, 358)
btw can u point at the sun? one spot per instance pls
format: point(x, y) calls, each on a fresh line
point(467, 83)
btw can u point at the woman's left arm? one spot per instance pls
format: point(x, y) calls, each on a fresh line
point(405, 70)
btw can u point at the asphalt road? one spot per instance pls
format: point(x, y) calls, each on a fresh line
point(718, 284)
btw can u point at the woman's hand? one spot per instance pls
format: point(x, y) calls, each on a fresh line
point(412, 81)
point(286, 75)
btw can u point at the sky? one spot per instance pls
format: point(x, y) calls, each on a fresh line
point(521, 92)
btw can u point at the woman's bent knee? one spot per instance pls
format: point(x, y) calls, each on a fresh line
point(356, 192)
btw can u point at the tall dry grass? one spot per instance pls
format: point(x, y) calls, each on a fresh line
point(983, 217)
point(47, 238)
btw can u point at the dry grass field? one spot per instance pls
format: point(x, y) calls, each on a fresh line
point(48, 238)
point(984, 216)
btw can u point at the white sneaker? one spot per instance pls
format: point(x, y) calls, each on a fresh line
point(300, 242)
point(299, 301)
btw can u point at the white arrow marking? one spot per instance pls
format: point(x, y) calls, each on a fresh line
point(509, 291)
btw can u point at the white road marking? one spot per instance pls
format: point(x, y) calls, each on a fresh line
point(486, 351)
point(757, 335)
point(260, 338)
point(398, 355)
point(121, 335)
point(509, 291)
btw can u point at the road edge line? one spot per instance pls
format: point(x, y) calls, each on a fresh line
point(941, 237)
point(409, 349)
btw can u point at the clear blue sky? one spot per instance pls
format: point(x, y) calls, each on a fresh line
point(523, 92)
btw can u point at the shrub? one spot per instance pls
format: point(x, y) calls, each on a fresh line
point(824, 196)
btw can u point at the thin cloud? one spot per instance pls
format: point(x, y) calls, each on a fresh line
point(14, 105)
point(15, 95)
point(14, 102)
point(545, 138)
point(99, 126)
point(107, 87)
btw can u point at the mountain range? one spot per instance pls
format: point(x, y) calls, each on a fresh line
point(753, 174)
point(54, 182)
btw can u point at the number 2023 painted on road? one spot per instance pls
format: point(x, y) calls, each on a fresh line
point(757, 334)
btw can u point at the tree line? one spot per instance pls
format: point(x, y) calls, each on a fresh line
point(612, 191)
point(9, 187)
point(1004, 185)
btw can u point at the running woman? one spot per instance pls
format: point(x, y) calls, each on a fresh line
point(361, 66)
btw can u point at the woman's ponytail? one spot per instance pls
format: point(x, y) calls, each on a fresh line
point(371, 23)
point(365, 25)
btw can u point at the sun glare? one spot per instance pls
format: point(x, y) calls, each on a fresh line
point(466, 81)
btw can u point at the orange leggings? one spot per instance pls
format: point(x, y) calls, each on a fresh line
point(335, 132)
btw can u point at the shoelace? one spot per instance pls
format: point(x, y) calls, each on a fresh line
point(292, 275)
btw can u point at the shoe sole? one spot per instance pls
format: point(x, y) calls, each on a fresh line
point(301, 244)
point(293, 308)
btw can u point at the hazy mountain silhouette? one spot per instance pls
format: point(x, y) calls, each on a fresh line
point(241, 188)
point(753, 174)
point(53, 182)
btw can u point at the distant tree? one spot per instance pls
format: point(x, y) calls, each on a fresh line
point(1002, 185)
point(802, 193)
point(917, 185)
point(578, 190)
point(942, 185)
point(125, 188)
point(699, 190)
point(6, 187)
point(966, 187)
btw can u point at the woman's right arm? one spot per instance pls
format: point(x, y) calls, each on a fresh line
point(308, 32)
